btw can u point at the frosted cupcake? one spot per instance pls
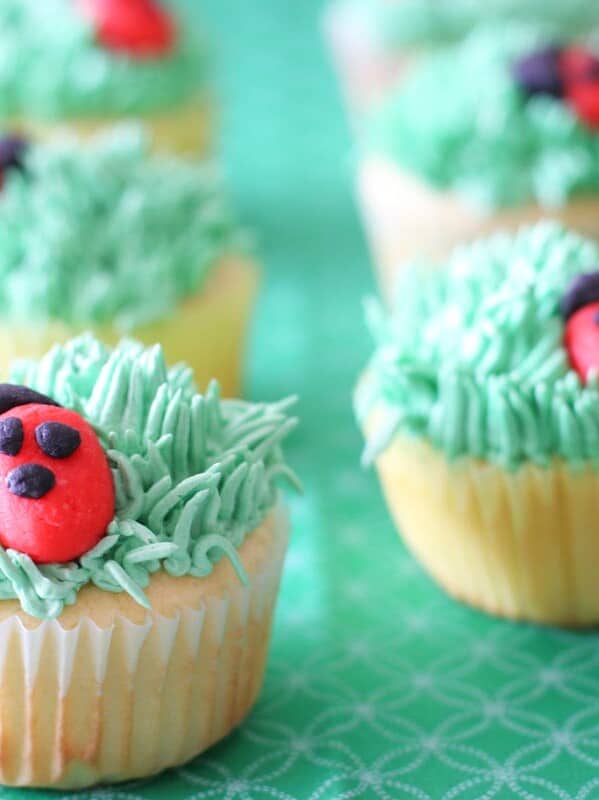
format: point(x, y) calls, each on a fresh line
point(481, 411)
point(87, 63)
point(141, 544)
point(102, 237)
point(500, 130)
point(374, 42)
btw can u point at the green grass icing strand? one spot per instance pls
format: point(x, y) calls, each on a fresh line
point(87, 236)
point(460, 121)
point(472, 359)
point(193, 474)
point(426, 22)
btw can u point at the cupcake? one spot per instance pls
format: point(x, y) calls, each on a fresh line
point(373, 42)
point(500, 130)
point(103, 237)
point(142, 538)
point(87, 63)
point(481, 412)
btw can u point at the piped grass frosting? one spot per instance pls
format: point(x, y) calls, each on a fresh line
point(472, 358)
point(52, 66)
point(462, 122)
point(425, 22)
point(193, 474)
point(105, 233)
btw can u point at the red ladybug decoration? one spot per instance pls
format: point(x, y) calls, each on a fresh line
point(568, 73)
point(582, 340)
point(56, 490)
point(137, 28)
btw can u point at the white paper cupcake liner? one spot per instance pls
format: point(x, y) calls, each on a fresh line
point(96, 702)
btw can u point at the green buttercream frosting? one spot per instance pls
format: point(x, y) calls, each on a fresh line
point(461, 122)
point(107, 234)
point(193, 474)
point(52, 68)
point(425, 22)
point(472, 358)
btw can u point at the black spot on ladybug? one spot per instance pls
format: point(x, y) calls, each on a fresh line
point(12, 396)
point(11, 436)
point(30, 480)
point(583, 289)
point(56, 439)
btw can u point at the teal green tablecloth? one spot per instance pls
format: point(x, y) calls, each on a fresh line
point(378, 687)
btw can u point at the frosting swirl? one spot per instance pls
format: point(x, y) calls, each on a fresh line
point(473, 359)
point(86, 238)
point(425, 22)
point(193, 474)
point(51, 67)
point(461, 122)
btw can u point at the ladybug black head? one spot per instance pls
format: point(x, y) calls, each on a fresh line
point(582, 290)
point(53, 438)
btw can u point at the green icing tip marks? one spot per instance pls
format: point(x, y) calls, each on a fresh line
point(105, 233)
point(472, 357)
point(52, 67)
point(424, 22)
point(193, 474)
point(460, 122)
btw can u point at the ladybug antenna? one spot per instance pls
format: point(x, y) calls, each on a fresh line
point(13, 395)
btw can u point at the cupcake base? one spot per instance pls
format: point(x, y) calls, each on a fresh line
point(520, 544)
point(110, 692)
point(207, 331)
point(365, 69)
point(183, 131)
point(408, 221)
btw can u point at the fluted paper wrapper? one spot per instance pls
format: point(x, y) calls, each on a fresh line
point(119, 693)
point(409, 221)
point(521, 544)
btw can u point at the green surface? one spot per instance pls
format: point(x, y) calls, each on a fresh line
point(378, 687)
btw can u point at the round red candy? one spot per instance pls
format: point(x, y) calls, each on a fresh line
point(137, 28)
point(584, 99)
point(578, 64)
point(56, 490)
point(579, 68)
point(582, 339)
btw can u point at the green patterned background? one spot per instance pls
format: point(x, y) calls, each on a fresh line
point(378, 687)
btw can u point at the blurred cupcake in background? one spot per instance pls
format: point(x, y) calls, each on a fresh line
point(102, 236)
point(373, 42)
point(88, 63)
point(500, 130)
point(480, 407)
point(142, 543)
